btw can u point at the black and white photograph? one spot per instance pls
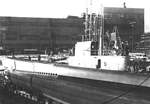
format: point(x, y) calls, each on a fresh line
point(74, 52)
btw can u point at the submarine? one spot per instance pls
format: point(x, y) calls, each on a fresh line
point(79, 79)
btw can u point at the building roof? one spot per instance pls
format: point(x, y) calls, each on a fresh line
point(123, 10)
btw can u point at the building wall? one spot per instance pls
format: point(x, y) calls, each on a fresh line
point(38, 33)
point(42, 33)
point(130, 23)
point(144, 44)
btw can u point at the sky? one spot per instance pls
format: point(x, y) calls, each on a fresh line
point(63, 8)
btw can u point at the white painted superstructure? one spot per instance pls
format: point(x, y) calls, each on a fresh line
point(83, 58)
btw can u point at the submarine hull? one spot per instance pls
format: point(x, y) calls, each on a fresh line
point(76, 85)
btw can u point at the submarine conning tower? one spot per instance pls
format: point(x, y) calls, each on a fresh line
point(98, 50)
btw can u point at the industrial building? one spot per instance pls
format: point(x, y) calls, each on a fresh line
point(19, 33)
point(129, 21)
point(144, 44)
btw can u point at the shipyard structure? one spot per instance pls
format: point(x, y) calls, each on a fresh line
point(19, 33)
